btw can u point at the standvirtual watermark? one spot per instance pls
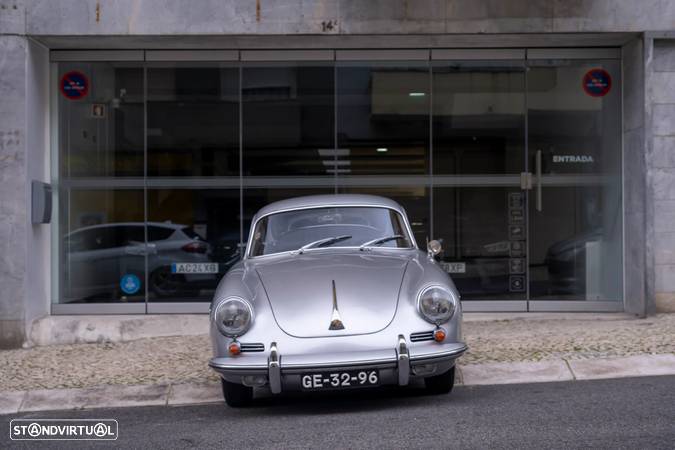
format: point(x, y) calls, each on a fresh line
point(63, 430)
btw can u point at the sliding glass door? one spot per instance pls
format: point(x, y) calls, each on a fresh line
point(478, 156)
point(574, 152)
point(511, 158)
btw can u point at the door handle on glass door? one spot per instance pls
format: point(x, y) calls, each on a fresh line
point(538, 167)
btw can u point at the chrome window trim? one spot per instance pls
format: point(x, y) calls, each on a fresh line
point(410, 237)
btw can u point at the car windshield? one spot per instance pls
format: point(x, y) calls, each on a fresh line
point(329, 227)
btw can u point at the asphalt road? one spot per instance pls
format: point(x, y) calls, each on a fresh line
point(624, 413)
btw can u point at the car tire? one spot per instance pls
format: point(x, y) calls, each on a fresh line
point(236, 395)
point(440, 384)
point(164, 284)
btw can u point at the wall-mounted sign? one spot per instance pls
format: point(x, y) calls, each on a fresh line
point(517, 249)
point(74, 85)
point(517, 265)
point(516, 233)
point(597, 82)
point(516, 200)
point(98, 111)
point(517, 283)
point(573, 159)
point(130, 283)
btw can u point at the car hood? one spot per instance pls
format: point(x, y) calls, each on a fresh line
point(300, 291)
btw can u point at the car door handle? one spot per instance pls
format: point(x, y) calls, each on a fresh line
point(538, 167)
point(136, 250)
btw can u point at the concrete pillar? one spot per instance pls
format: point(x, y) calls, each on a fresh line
point(661, 166)
point(24, 156)
point(13, 215)
point(635, 179)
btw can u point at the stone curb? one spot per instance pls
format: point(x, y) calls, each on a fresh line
point(197, 393)
point(82, 329)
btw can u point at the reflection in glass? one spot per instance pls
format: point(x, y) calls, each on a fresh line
point(576, 235)
point(256, 198)
point(413, 199)
point(103, 246)
point(204, 243)
point(288, 120)
point(313, 128)
point(482, 231)
point(193, 121)
point(313, 228)
point(101, 134)
point(383, 119)
point(478, 117)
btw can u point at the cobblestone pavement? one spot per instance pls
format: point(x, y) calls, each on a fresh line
point(183, 358)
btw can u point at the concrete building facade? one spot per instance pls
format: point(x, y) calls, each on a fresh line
point(520, 66)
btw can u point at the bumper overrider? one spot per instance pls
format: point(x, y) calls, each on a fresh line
point(397, 365)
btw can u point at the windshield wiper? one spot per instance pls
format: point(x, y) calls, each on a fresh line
point(381, 240)
point(323, 242)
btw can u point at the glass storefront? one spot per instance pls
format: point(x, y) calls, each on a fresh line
point(514, 165)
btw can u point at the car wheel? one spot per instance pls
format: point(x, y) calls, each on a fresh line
point(236, 395)
point(163, 283)
point(440, 384)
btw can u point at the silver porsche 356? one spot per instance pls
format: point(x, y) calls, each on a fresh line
point(333, 293)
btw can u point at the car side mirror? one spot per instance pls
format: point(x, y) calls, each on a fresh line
point(434, 248)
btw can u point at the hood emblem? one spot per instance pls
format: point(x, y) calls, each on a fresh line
point(335, 319)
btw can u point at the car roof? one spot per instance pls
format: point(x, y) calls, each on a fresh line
point(173, 226)
point(315, 201)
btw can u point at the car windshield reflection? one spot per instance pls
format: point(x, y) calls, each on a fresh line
point(301, 229)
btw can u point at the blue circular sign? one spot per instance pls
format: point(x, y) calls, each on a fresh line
point(74, 85)
point(130, 283)
point(597, 82)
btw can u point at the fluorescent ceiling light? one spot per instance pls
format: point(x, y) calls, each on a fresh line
point(417, 94)
point(332, 162)
point(382, 149)
point(333, 151)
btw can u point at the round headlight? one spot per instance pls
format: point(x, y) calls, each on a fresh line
point(233, 317)
point(436, 304)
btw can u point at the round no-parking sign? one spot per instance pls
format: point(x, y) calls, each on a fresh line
point(74, 85)
point(597, 82)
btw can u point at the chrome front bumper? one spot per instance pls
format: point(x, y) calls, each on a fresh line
point(397, 364)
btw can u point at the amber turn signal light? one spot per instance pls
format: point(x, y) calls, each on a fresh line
point(234, 348)
point(439, 335)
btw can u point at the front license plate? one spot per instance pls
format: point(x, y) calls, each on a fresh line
point(340, 379)
point(194, 268)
